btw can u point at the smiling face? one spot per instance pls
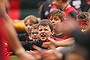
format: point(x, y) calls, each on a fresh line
point(29, 21)
point(34, 34)
point(28, 25)
point(44, 32)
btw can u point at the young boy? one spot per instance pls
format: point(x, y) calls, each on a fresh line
point(45, 29)
point(34, 33)
point(83, 19)
point(35, 40)
point(57, 17)
point(28, 21)
point(66, 7)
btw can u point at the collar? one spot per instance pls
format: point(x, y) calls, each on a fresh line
point(66, 7)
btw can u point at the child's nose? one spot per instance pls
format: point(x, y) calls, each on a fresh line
point(53, 21)
point(42, 31)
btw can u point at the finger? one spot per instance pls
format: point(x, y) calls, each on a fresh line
point(53, 47)
point(37, 48)
point(51, 39)
point(46, 43)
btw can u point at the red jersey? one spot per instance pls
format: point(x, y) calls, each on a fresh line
point(69, 10)
point(60, 37)
point(3, 37)
point(88, 2)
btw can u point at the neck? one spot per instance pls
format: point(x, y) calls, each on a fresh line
point(58, 33)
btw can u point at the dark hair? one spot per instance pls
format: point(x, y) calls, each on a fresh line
point(83, 16)
point(65, 0)
point(45, 22)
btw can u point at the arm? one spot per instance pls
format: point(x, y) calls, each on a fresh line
point(15, 43)
point(63, 43)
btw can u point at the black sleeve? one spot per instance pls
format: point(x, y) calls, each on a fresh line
point(30, 43)
point(44, 8)
point(73, 14)
point(22, 37)
point(81, 38)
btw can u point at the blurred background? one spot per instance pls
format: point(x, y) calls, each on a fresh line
point(19, 9)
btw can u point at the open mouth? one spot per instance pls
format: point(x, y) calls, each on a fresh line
point(35, 38)
point(53, 24)
point(43, 36)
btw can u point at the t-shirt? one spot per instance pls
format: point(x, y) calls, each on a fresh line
point(3, 36)
point(60, 37)
point(70, 11)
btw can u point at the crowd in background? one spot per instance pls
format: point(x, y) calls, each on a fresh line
point(60, 32)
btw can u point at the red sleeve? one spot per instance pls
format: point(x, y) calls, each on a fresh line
point(66, 37)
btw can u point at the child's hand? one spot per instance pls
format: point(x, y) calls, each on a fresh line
point(51, 40)
point(46, 44)
point(51, 55)
point(35, 54)
point(48, 54)
point(26, 56)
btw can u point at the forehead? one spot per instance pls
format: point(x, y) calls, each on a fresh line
point(44, 26)
point(34, 29)
point(54, 16)
point(28, 21)
point(56, 0)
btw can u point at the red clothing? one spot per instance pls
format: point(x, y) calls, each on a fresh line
point(3, 37)
point(83, 24)
point(60, 37)
point(70, 10)
point(88, 2)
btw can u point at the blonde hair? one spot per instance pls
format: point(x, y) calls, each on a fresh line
point(32, 19)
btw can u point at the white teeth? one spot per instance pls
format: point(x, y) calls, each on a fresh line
point(43, 35)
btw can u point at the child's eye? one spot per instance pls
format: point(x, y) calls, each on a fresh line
point(40, 29)
point(30, 24)
point(56, 19)
point(46, 29)
point(25, 24)
point(34, 32)
point(51, 19)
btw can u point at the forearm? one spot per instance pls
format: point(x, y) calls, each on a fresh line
point(13, 39)
point(66, 42)
point(6, 18)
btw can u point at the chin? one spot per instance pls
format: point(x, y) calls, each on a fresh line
point(43, 38)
